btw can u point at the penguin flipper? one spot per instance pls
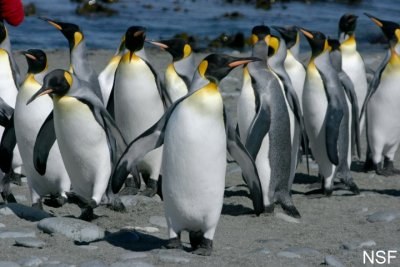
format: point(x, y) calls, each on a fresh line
point(351, 94)
point(165, 97)
point(5, 113)
point(333, 119)
point(7, 145)
point(110, 103)
point(44, 142)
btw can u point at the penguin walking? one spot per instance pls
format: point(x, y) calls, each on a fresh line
point(326, 115)
point(382, 103)
point(79, 62)
point(137, 102)
point(88, 139)
point(179, 73)
point(265, 127)
point(28, 120)
point(194, 157)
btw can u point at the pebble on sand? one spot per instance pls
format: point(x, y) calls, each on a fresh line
point(383, 216)
point(29, 242)
point(75, 229)
point(332, 261)
point(24, 212)
point(4, 233)
point(352, 245)
point(159, 221)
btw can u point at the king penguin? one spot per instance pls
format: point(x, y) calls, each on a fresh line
point(179, 72)
point(137, 102)
point(265, 127)
point(6, 45)
point(326, 115)
point(87, 136)
point(382, 103)
point(28, 120)
point(193, 132)
point(79, 62)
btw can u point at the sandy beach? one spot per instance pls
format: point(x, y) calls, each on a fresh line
point(332, 230)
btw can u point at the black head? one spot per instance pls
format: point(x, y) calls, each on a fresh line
point(37, 60)
point(3, 32)
point(348, 23)
point(290, 34)
point(134, 38)
point(334, 44)
point(389, 28)
point(71, 31)
point(259, 33)
point(317, 40)
point(56, 82)
point(178, 48)
point(216, 66)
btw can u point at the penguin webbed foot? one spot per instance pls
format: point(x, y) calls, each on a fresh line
point(174, 243)
point(132, 186)
point(87, 213)
point(389, 166)
point(382, 170)
point(291, 210)
point(269, 209)
point(195, 238)
point(204, 248)
point(151, 188)
point(55, 202)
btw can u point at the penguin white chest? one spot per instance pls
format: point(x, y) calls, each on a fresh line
point(246, 108)
point(8, 89)
point(297, 75)
point(195, 162)
point(174, 84)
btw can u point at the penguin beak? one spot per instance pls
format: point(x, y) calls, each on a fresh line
point(42, 91)
point(56, 25)
point(307, 34)
point(374, 19)
point(139, 33)
point(25, 53)
point(242, 61)
point(159, 44)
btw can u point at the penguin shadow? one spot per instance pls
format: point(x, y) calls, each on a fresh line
point(134, 240)
point(388, 192)
point(236, 210)
point(240, 191)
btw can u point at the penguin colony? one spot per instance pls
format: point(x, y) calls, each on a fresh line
point(81, 138)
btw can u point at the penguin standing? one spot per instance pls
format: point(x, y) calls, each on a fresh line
point(382, 103)
point(79, 62)
point(137, 103)
point(28, 120)
point(326, 115)
point(180, 72)
point(265, 126)
point(6, 45)
point(88, 139)
point(194, 157)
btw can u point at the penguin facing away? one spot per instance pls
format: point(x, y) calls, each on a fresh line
point(28, 120)
point(137, 102)
point(194, 157)
point(382, 103)
point(87, 136)
point(79, 62)
point(179, 73)
point(326, 115)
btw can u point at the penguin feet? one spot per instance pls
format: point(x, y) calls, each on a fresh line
point(389, 166)
point(151, 188)
point(174, 243)
point(291, 210)
point(55, 202)
point(204, 248)
point(382, 171)
point(368, 165)
point(269, 208)
point(15, 178)
point(132, 187)
point(353, 187)
point(328, 191)
point(195, 238)
point(88, 213)
point(116, 204)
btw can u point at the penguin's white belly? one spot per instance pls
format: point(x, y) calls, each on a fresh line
point(28, 120)
point(84, 147)
point(106, 78)
point(246, 108)
point(194, 166)
point(264, 171)
point(174, 84)
point(8, 89)
point(297, 75)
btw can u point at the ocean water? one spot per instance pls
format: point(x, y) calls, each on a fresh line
point(201, 18)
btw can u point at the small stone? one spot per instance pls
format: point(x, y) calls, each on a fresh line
point(16, 233)
point(159, 221)
point(263, 251)
point(147, 229)
point(356, 245)
point(303, 251)
point(383, 216)
point(287, 254)
point(332, 261)
point(24, 212)
point(29, 242)
point(369, 243)
point(9, 264)
point(32, 261)
point(93, 263)
point(173, 259)
point(129, 201)
point(286, 217)
point(132, 255)
point(75, 229)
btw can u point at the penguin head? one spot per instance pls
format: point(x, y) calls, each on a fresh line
point(259, 33)
point(56, 82)
point(290, 34)
point(177, 47)
point(3, 32)
point(347, 24)
point(134, 38)
point(317, 41)
point(389, 28)
point(37, 60)
point(334, 44)
point(216, 66)
point(273, 45)
point(71, 31)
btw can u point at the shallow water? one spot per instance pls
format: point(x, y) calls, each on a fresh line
point(202, 18)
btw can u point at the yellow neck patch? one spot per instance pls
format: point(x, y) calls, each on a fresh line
point(394, 59)
point(68, 77)
point(274, 43)
point(253, 39)
point(203, 67)
point(78, 37)
point(397, 33)
point(129, 56)
point(327, 47)
point(187, 50)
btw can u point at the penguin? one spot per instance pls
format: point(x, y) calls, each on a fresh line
point(28, 119)
point(137, 102)
point(88, 139)
point(79, 62)
point(6, 45)
point(179, 72)
point(106, 77)
point(381, 104)
point(351, 61)
point(326, 115)
point(193, 132)
point(265, 126)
